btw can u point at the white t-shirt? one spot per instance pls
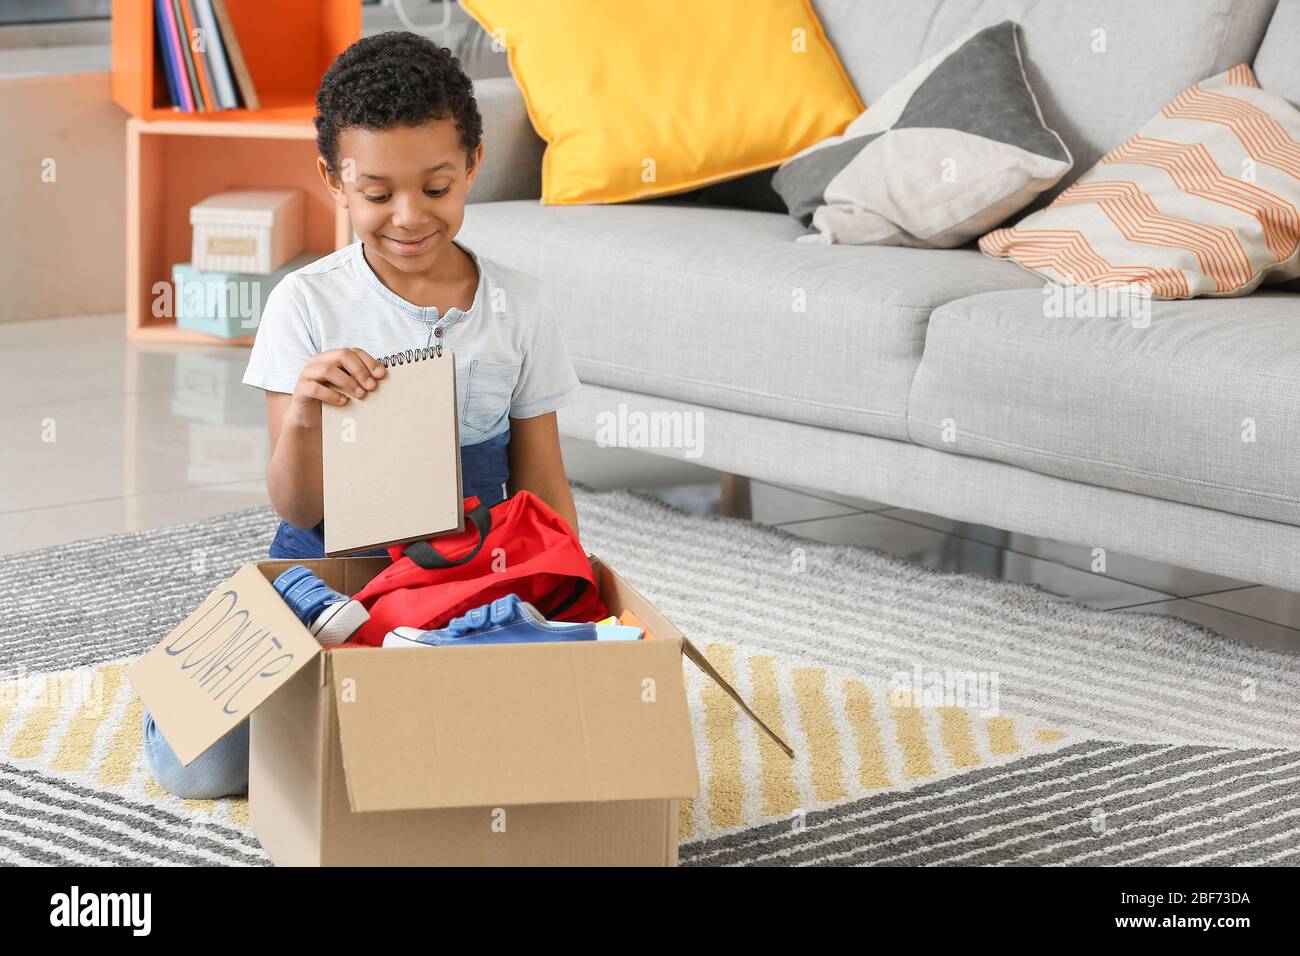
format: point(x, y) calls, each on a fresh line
point(510, 359)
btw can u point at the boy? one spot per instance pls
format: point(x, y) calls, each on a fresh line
point(399, 136)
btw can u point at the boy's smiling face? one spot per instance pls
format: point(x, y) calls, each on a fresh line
point(404, 189)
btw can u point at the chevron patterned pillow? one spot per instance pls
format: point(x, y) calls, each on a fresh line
point(949, 152)
point(1203, 200)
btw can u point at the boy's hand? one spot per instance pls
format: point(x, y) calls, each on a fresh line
point(332, 377)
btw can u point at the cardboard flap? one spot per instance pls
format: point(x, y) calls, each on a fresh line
point(503, 725)
point(697, 658)
point(221, 662)
point(660, 626)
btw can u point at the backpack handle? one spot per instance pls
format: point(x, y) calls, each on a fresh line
point(426, 556)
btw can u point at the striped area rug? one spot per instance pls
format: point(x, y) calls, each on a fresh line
point(1086, 737)
point(851, 737)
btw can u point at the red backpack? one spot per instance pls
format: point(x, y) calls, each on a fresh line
point(521, 545)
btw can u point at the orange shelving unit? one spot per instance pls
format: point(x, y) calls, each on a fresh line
point(175, 159)
point(287, 45)
point(171, 165)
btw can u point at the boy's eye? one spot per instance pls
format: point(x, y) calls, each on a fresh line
point(435, 193)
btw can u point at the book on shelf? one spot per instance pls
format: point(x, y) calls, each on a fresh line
point(201, 58)
point(170, 40)
point(187, 55)
point(235, 56)
point(215, 53)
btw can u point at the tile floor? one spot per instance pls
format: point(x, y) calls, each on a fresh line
point(102, 436)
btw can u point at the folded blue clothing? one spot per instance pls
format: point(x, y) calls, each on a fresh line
point(507, 620)
point(618, 632)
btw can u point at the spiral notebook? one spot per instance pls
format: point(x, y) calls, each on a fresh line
point(392, 460)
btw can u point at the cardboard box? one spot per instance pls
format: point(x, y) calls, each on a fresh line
point(536, 754)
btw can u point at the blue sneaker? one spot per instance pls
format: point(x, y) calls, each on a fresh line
point(507, 620)
point(330, 616)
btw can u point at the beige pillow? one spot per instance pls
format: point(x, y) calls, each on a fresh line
point(1203, 200)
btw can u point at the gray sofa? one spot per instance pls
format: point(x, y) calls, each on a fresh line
point(1087, 430)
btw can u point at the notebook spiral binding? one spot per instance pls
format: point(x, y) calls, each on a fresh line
point(410, 355)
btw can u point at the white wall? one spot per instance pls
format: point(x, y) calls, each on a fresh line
point(61, 242)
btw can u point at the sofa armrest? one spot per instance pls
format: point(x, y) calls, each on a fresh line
point(512, 150)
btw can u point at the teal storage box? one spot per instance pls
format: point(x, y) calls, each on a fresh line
point(226, 304)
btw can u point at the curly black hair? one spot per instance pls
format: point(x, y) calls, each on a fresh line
point(393, 79)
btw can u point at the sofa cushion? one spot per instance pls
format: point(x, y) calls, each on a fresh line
point(722, 307)
point(1099, 68)
point(1278, 64)
point(952, 150)
point(1197, 406)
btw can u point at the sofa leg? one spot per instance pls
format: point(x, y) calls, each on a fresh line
point(736, 502)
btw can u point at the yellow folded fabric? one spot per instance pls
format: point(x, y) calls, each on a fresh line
point(641, 98)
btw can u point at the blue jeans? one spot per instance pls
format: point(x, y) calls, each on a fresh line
point(222, 769)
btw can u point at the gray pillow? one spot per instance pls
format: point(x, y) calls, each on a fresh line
point(948, 153)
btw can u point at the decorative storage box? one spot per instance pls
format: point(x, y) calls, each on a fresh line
point(226, 304)
point(249, 231)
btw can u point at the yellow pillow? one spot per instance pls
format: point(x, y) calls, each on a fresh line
point(640, 98)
